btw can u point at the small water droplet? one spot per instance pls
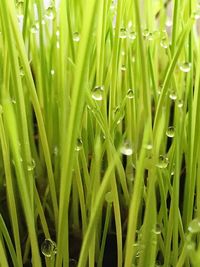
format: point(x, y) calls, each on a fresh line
point(145, 33)
point(185, 67)
point(21, 71)
point(20, 6)
point(35, 27)
point(113, 5)
point(50, 13)
point(196, 14)
point(97, 93)
point(149, 146)
point(132, 35)
point(79, 144)
point(150, 37)
point(170, 131)
point(109, 197)
point(194, 226)
point(52, 72)
point(123, 67)
point(164, 43)
point(123, 33)
point(55, 151)
point(76, 37)
point(157, 229)
point(180, 103)
point(169, 22)
point(48, 248)
point(172, 95)
point(31, 165)
point(130, 94)
point(126, 148)
point(163, 162)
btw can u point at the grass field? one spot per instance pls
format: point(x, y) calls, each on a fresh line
point(99, 133)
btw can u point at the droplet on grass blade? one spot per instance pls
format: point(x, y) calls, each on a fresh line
point(130, 94)
point(194, 226)
point(35, 28)
point(76, 37)
point(173, 95)
point(79, 144)
point(123, 33)
point(21, 71)
point(50, 13)
point(157, 229)
point(97, 93)
point(170, 131)
point(31, 165)
point(145, 32)
point(196, 14)
point(185, 67)
point(164, 43)
point(163, 162)
point(123, 67)
point(48, 248)
point(126, 148)
point(52, 72)
point(109, 197)
point(132, 35)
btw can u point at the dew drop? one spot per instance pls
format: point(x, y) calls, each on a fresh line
point(123, 33)
point(196, 14)
point(194, 226)
point(97, 93)
point(126, 148)
point(170, 131)
point(163, 162)
point(79, 144)
point(185, 67)
point(164, 43)
point(48, 248)
point(180, 103)
point(130, 94)
point(20, 6)
point(21, 71)
point(132, 35)
point(76, 37)
point(123, 67)
point(52, 72)
point(150, 37)
point(31, 165)
point(35, 28)
point(149, 146)
point(145, 33)
point(50, 13)
point(172, 95)
point(157, 229)
point(109, 197)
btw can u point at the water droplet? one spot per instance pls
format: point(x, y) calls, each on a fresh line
point(52, 72)
point(150, 37)
point(79, 144)
point(48, 248)
point(196, 14)
point(132, 35)
point(194, 226)
point(76, 37)
point(145, 33)
point(157, 229)
point(126, 148)
point(113, 5)
point(97, 93)
point(50, 13)
point(180, 103)
point(58, 44)
point(21, 71)
point(172, 95)
point(130, 94)
point(1, 109)
point(130, 172)
point(185, 67)
point(109, 197)
point(35, 28)
point(163, 162)
point(13, 101)
point(31, 165)
point(20, 6)
point(149, 146)
point(123, 33)
point(170, 131)
point(164, 43)
point(123, 67)
point(169, 22)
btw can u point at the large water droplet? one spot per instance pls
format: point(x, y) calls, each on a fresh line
point(50, 13)
point(163, 162)
point(170, 131)
point(76, 37)
point(194, 226)
point(126, 148)
point(97, 93)
point(79, 144)
point(48, 248)
point(185, 67)
point(130, 94)
point(31, 165)
point(123, 33)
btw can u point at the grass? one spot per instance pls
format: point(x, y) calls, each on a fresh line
point(99, 133)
